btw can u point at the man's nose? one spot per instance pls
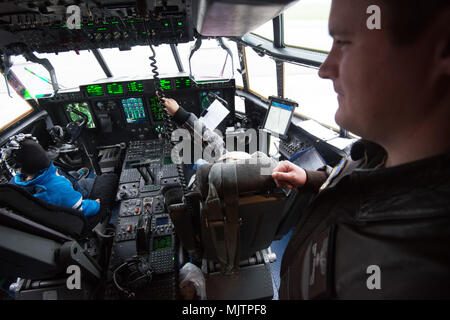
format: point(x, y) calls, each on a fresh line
point(328, 69)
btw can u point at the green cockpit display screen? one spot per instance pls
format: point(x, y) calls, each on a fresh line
point(135, 86)
point(165, 84)
point(84, 108)
point(155, 107)
point(95, 90)
point(115, 88)
point(134, 110)
point(183, 83)
point(161, 243)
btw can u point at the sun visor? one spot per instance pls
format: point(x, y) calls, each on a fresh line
point(234, 17)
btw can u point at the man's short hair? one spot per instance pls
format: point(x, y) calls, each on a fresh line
point(407, 19)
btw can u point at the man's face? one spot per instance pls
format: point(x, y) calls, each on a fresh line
point(378, 83)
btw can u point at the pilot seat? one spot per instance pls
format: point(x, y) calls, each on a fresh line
point(39, 242)
point(236, 213)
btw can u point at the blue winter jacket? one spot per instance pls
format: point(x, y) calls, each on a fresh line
point(55, 189)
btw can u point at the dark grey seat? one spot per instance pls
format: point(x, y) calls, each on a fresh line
point(38, 240)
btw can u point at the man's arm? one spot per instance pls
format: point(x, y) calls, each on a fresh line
point(289, 175)
point(194, 125)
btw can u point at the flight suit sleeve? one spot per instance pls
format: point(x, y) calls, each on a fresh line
point(315, 179)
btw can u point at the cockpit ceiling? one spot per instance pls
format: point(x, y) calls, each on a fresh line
point(50, 26)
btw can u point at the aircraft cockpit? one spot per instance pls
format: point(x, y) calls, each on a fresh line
point(86, 79)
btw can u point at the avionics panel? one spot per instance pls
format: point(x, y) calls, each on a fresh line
point(206, 100)
point(82, 107)
point(130, 109)
point(134, 111)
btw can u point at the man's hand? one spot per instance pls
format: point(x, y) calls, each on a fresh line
point(171, 105)
point(287, 174)
point(98, 200)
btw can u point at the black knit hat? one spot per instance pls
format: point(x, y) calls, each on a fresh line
point(31, 157)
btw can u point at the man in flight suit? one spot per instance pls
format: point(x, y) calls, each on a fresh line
point(378, 226)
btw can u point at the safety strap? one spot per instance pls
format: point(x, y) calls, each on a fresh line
point(215, 219)
point(232, 225)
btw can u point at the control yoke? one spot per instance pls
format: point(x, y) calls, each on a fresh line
point(75, 128)
point(145, 172)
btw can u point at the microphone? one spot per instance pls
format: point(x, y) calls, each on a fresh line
point(213, 95)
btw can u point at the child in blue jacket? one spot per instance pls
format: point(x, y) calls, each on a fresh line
point(37, 174)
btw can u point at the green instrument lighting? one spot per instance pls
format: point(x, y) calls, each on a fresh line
point(182, 83)
point(101, 29)
point(165, 84)
point(95, 90)
point(82, 107)
point(114, 88)
point(166, 24)
point(180, 23)
point(135, 86)
point(155, 107)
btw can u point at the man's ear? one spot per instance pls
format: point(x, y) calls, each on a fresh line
point(444, 56)
point(443, 48)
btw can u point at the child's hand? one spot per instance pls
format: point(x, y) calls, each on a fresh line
point(98, 200)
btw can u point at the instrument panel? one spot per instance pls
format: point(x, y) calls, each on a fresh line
point(130, 109)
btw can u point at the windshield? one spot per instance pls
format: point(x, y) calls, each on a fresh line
point(11, 108)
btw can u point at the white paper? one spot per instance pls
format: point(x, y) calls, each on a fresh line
point(215, 115)
point(341, 143)
point(318, 130)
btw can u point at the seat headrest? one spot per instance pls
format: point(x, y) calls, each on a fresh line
point(253, 175)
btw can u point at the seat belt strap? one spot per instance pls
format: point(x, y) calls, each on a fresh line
point(232, 225)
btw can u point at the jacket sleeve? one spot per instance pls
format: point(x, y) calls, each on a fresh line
point(197, 128)
point(73, 199)
point(314, 179)
point(90, 207)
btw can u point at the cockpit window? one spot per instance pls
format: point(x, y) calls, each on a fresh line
point(72, 70)
point(261, 73)
point(184, 50)
point(315, 96)
point(12, 108)
point(265, 31)
point(306, 25)
point(135, 63)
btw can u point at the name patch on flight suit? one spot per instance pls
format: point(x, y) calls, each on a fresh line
point(336, 170)
point(319, 253)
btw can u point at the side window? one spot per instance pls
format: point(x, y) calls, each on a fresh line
point(262, 75)
point(315, 96)
point(265, 31)
point(306, 25)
